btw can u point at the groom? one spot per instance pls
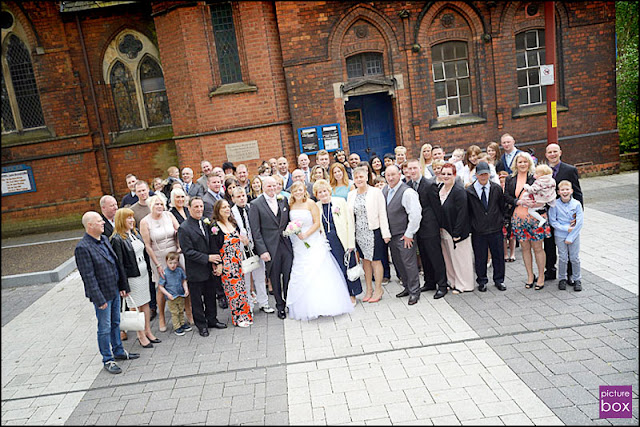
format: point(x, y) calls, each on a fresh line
point(268, 217)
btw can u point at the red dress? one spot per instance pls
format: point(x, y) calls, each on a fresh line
point(233, 279)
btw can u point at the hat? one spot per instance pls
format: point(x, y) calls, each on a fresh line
point(482, 167)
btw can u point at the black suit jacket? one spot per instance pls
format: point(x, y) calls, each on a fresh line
point(431, 208)
point(126, 254)
point(195, 247)
point(570, 173)
point(267, 228)
point(108, 228)
point(486, 221)
point(456, 214)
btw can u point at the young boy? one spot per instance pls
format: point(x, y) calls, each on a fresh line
point(566, 218)
point(174, 287)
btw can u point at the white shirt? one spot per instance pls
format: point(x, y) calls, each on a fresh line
point(411, 204)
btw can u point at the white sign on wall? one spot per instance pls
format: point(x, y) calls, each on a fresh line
point(546, 75)
point(242, 151)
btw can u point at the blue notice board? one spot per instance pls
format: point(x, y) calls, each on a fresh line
point(17, 180)
point(323, 137)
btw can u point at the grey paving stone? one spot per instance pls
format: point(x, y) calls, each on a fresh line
point(578, 395)
point(558, 345)
point(108, 418)
point(625, 365)
point(562, 380)
point(572, 416)
point(134, 420)
point(276, 403)
point(506, 351)
point(566, 368)
point(535, 380)
point(530, 346)
point(553, 398)
point(520, 365)
point(599, 367)
point(191, 417)
point(587, 379)
point(277, 419)
point(161, 417)
point(218, 416)
point(546, 356)
point(136, 406)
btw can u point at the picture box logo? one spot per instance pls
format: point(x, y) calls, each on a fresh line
point(615, 401)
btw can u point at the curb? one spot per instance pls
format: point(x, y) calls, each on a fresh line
point(40, 277)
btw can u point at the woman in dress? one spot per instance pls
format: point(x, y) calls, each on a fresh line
point(338, 230)
point(227, 241)
point(317, 286)
point(454, 235)
point(367, 209)
point(469, 170)
point(425, 161)
point(523, 226)
point(376, 165)
point(255, 189)
point(339, 181)
point(159, 232)
point(178, 205)
point(493, 153)
point(129, 248)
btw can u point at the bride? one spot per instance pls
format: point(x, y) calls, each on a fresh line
point(317, 286)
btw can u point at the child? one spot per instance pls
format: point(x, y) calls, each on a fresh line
point(174, 286)
point(379, 182)
point(509, 238)
point(456, 158)
point(566, 218)
point(543, 190)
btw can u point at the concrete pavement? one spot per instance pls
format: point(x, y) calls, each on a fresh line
point(518, 357)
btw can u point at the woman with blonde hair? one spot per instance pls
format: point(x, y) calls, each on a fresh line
point(425, 161)
point(318, 172)
point(255, 189)
point(129, 248)
point(339, 180)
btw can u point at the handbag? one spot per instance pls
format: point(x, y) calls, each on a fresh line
point(354, 272)
point(250, 262)
point(131, 320)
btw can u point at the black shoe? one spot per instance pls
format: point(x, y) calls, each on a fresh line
point(404, 293)
point(482, 287)
point(218, 325)
point(440, 293)
point(187, 328)
point(570, 282)
point(577, 286)
point(112, 367)
point(271, 292)
point(549, 275)
point(501, 286)
point(127, 356)
point(426, 288)
point(282, 314)
point(154, 313)
point(414, 299)
point(223, 304)
point(562, 285)
point(204, 332)
point(150, 345)
point(156, 341)
point(530, 285)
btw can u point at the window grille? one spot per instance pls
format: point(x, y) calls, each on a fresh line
point(154, 93)
point(364, 64)
point(226, 43)
point(124, 96)
point(530, 54)
point(452, 83)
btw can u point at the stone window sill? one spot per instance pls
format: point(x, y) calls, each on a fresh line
point(232, 88)
point(28, 136)
point(449, 122)
point(534, 110)
point(142, 135)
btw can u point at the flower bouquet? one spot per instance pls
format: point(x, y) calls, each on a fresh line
point(293, 229)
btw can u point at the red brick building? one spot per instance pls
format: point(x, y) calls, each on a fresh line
point(92, 91)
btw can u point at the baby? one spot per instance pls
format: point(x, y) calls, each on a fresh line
point(543, 190)
point(456, 158)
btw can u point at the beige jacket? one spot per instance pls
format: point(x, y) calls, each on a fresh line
point(343, 221)
point(376, 210)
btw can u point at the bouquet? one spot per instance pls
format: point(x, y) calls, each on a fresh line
point(294, 228)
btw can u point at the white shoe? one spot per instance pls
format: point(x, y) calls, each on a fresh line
point(267, 309)
point(244, 324)
point(542, 222)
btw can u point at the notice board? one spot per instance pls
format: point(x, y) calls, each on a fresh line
point(322, 137)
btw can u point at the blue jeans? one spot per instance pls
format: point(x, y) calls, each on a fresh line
point(568, 253)
point(109, 330)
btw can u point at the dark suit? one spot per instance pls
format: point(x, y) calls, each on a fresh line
point(288, 182)
point(266, 229)
point(108, 228)
point(569, 173)
point(428, 236)
point(195, 247)
point(502, 165)
point(128, 200)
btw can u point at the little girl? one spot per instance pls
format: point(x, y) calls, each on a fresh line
point(543, 190)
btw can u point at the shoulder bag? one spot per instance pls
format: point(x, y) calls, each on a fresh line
point(131, 320)
point(354, 272)
point(250, 262)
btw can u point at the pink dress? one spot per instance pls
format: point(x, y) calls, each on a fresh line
point(164, 239)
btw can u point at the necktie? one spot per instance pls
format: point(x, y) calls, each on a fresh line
point(243, 217)
point(390, 195)
point(483, 198)
point(186, 188)
point(273, 204)
point(202, 229)
point(415, 185)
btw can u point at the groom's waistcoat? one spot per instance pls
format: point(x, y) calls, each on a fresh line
point(396, 213)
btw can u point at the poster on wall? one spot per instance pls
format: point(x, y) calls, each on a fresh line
point(323, 137)
point(309, 140)
point(17, 180)
point(330, 137)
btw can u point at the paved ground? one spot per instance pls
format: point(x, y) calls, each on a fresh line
point(516, 357)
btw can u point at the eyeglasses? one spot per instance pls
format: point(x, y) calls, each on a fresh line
point(446, 174)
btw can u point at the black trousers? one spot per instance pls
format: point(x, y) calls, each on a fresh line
point(279, 269)
point(433, 266)
point(482, 243)
point(203, 302)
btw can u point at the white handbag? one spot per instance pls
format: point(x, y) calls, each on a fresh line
point(250, 262)
point(131, 320)
point(354, 272)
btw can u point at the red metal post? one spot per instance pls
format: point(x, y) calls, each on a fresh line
point(550, 59)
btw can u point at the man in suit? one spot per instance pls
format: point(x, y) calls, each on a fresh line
point(207, 168)
point(268, 217)
point(298, 175)
point(194, 237)
point(130, 198)
point(283, 171)
point(354, 160)
point(428, 236)
point(486, 214)
point(104, 283)
point(509, 153)
point(213, 194)
point(561, 171)
point(108, 208)
point(190, 187)
point(322, 159)
point(303, 165)
point(404, 213)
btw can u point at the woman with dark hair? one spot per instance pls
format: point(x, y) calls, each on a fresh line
point(372, 175)
point(341, 157)
point(376, 165)
point(229, 184)
point(388, 160)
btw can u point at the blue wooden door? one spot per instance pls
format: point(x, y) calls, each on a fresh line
point(370, 125)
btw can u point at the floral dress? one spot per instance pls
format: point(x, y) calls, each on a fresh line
point(523, 225)
point(233, 278)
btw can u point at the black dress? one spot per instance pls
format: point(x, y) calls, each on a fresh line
point(337, 250)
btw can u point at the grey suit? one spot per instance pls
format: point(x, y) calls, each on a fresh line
point(267, 229)
point(209, 200)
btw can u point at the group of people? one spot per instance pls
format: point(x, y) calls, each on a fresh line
point(310, 230)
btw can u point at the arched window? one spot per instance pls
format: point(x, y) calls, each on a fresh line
point(364, 64)
point(137, 82)
point(452, 82)
point(530, 54)
point(21, 108)
point(224, 33)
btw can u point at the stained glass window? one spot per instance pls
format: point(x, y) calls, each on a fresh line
point(224, 33)
point(155, 95)
point(123, 89)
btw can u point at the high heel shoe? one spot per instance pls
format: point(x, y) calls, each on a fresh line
point(538, 287)
point(155, 340)
point(149, 345)
point(372, 300)
point(530, 285)
point(366, 299)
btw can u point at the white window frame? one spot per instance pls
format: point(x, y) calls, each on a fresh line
point(541, 61)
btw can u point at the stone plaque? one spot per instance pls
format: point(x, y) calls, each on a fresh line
point(242, 151)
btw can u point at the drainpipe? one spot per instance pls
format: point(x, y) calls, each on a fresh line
point(95, 106)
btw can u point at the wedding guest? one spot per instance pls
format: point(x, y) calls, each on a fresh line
point(469, 169)
point(298, 176)
point(322, 159)
point(354, 161)
point(158, 230)
point(425, 161)
point(507, 160)
point(227, 241)
point(437, 153)
point(493, 153)
point(178, 205)
point(158, 186)
point(207, 169)
point(174, 286)
point(509, 239)
point(338, 230)
point(401, 155)
point(280, 187)
point(242, 175)
point(379, 182)
point(273, 164)
point(187, 181)
point(108, 208)
point(213, 194)
point(229, 184)
point(376, 165)
point(341, 157)
point(339, 180)
point(104, 283)
point(437, 165)
point(388, 159)
point(264, 170)
point(283, 172)
point(319, 172)
point(303, 165)
point(256, 188)
point(372, 176)
point(454, 234)
point(524, 226)
point(129, 248)
point(367, 210)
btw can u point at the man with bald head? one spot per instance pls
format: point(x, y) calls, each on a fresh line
point(561, 172)
point(283, 171)
point(105, 281)
point(509, 151)
point(108, 207)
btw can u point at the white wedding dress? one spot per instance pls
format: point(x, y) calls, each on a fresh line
point(317, 286)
